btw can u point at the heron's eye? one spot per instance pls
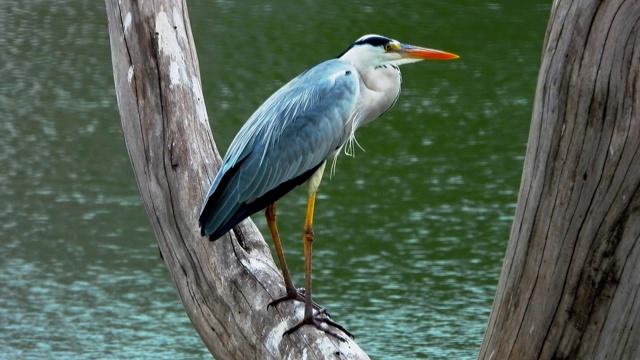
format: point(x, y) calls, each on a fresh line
point(388, 47)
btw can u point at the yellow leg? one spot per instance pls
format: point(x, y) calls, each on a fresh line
point(321, 316)
point(307, 239)
point(270, 214)
point(292, 292)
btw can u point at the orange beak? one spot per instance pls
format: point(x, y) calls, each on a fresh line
point(416, 52)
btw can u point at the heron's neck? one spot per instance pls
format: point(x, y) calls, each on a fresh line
point(376, 77)
point(383, 84)
point(383, 78)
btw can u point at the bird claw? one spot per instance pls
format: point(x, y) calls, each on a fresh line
point(298, 295)
point(320, 323)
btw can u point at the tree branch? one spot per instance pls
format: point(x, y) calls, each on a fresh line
point(569, 285)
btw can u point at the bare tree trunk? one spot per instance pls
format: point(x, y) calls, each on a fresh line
point(570, 285)
point(225, 286)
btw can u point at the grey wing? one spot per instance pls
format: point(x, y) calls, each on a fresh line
point(296, 130)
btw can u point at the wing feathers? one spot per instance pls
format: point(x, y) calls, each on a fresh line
point(296, 130)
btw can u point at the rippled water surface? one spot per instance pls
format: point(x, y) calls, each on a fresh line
point(410, 234)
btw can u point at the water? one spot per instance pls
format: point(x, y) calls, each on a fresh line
point(410, 234)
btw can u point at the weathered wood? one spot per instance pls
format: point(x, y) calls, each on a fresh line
point(225, 286)
point(570, 284)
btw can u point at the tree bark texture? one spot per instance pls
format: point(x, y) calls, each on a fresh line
point(570, 284)
point(225, 285)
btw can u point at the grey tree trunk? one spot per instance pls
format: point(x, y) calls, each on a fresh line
point(225, 286)
point(570, 285)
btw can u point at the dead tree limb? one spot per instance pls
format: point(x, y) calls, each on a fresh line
point(570, 284)
point(225, 286)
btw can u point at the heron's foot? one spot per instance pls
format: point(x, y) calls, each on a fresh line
point(297, 295)
point(320, 321)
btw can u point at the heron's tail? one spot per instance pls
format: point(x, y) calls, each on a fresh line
point(225, 206)
point(219, 206)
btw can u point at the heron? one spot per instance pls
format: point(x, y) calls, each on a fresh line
point(289, 138)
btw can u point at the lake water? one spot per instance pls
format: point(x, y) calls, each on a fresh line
point(410, 235)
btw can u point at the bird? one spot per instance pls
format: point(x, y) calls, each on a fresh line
point(291, 136)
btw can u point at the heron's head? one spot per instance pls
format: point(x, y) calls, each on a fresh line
point(375, 50)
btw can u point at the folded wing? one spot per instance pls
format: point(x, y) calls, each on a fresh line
point(283, 143)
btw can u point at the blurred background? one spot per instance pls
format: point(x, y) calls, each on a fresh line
point(410, 235)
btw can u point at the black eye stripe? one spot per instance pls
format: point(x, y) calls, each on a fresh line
point(374, 41)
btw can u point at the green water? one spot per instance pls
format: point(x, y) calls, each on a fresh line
point(410, 234)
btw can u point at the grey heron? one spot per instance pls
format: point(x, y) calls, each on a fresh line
point(289, 138)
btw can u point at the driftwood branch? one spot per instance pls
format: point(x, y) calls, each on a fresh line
point(225, 286)
point(570, 285)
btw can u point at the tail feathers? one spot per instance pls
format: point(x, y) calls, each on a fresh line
point(215, 225)
point(219, 232)
point(225, 209)
point(219, 206)
point(215, 217)
point(241, 213)
point(219, 218)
